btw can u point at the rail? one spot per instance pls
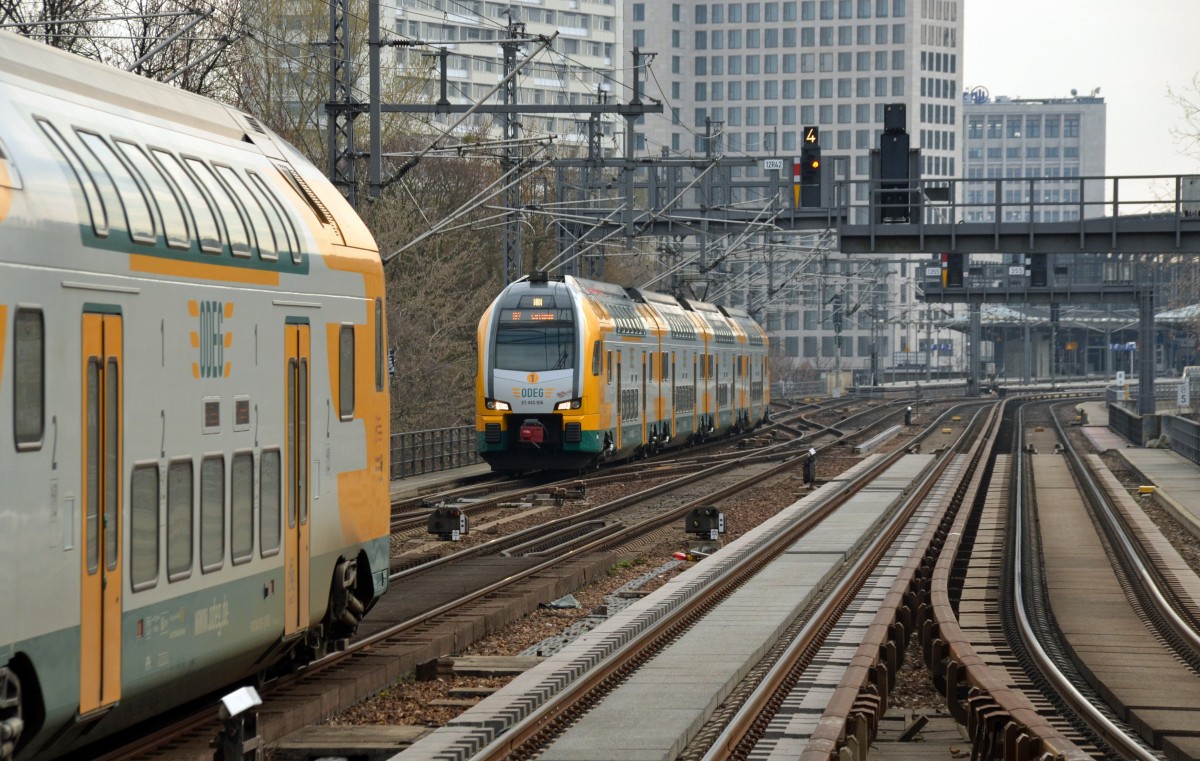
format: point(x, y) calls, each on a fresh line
point(432, 450)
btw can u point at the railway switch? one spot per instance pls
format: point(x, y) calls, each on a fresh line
point(448, 523)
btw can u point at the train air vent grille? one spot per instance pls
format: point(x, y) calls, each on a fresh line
point(573, 433)
point(492, 433)
point(318, 206)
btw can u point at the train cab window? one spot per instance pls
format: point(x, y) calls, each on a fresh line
point(87, 183)
point(212, 513)
point(170, 211)
point(270, 512)
point(180, 501)
point(143, 527)
point(197, 202)
point(346, 373)
point(29, 379)
point(261, 232)
point(239, 236)
point(241, 507)
point(139, 222)
point(535, 347)
point(597, 358)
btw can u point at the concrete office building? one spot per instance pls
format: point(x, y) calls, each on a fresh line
point(1009, 141)
point(759, 72)
point(1028, 159)
point(586, 59)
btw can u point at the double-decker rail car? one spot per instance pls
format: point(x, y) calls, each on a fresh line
point(193, 408)
point(575, 372)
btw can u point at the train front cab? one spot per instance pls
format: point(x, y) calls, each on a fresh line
point(539, 375)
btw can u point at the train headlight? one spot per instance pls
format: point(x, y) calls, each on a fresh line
point(574, 404)
point(495, 404)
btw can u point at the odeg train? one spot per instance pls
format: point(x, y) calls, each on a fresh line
point(193, 407)
point(576, 372)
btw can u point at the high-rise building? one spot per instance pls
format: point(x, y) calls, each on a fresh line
point(584, 64)
point(754, 74)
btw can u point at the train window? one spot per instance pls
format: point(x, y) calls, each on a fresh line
point(665, 365)
point(285, 237)
point(535, 347)
point(139, 222)
point(285, 234)
point(379, 357)
point(261, 231)
point(207, 230)
point(269, 506)
point(112, 469)
point(235, 224)
point(143, 527)
point(241, 507)
point(170, 210)
point(29, 379)
point(87, 183)
point(9, 176)
point(346, 373)
point(608, 366)
point(212, 513)
point(179, 519)
point(596, 358)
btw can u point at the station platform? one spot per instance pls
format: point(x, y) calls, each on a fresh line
point(415, 486)
point(1176, 479)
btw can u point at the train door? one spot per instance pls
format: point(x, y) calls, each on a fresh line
point(645, 394)
point(620, 399)
point(296, 478)
point(674, 402)
point(100, 617)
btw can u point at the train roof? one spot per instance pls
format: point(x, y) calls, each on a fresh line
point(82, 80)
point(94, 86)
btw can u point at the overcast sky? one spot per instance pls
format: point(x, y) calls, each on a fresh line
point(1132, 51)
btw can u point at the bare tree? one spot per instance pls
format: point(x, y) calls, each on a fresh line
point(437, 289)
point(59, 23)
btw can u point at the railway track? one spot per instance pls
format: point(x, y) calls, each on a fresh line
point(538, 732)
point(197, 730)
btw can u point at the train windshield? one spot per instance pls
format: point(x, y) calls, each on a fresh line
point(535, 348)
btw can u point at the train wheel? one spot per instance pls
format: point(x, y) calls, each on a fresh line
point(345, 609)
point(11, 716)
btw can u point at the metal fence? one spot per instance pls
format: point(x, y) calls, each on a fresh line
point(418, 452)
point(1183, 435)
point(1127, 423)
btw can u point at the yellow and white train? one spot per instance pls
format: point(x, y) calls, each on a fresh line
point(193, 402)
point(575, 372)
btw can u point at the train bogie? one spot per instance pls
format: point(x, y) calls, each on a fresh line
point(193, 410)
point(575, 372)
